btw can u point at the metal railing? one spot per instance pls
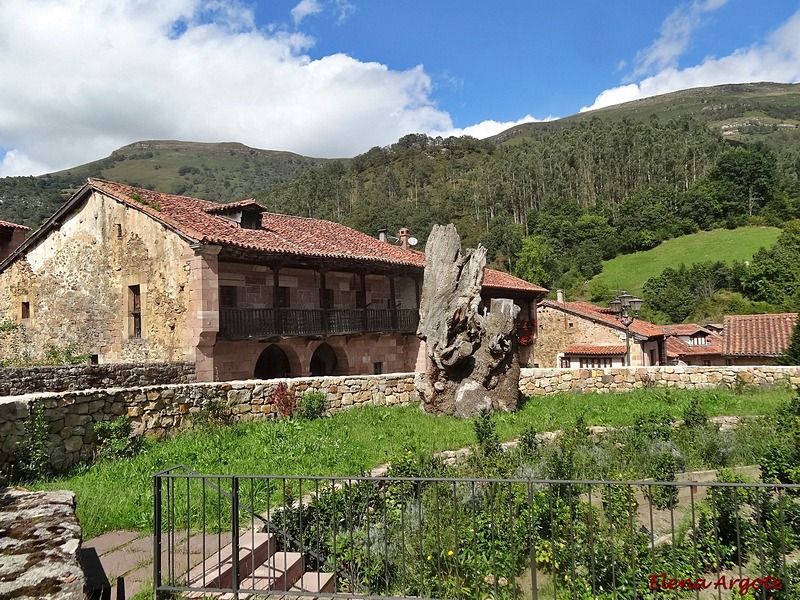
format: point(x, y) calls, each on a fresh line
point(479, 538)
point(245, 323)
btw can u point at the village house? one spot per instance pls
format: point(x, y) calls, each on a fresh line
point(125, 274)
point(584, 335)
point(756, 339)
point(11, 237)
point(693, 345)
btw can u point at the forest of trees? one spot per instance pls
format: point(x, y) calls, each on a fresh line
point(552, 209)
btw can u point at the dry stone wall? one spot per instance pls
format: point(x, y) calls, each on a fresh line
point(16, 381)
point(162, 410)
point(545, 382)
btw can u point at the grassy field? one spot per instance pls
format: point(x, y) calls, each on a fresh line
point(630, 271)
point(118, 494)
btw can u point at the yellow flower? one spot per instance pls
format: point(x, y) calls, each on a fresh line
point(449, 553)
point(429, 557)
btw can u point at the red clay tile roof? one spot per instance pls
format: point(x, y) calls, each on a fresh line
point(500, 280)
point(281, 234)
point(587, 350)
point(757, 335)
point(8, 225)
point(676, 347)
point(601, 315)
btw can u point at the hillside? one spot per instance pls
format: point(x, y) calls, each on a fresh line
point(630, 271)
point(748, 112)
point(224, 171)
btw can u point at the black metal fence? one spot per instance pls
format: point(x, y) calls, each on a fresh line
point(473, 538)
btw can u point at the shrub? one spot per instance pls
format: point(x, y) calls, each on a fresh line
point(214, 412)
point(311, 405)
point(283, 401)
point(115, 439)
point(32, 460)
point(694, 415)
point(486, 434)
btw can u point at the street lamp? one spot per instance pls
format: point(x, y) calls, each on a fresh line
point(626, 308)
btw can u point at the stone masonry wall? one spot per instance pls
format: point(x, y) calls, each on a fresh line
point(545, 382)
point(164, 409)
point(16, 381)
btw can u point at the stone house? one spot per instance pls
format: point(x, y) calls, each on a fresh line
point(756, 339)
point(693, 345)
point(584, 335)
point(125, 274)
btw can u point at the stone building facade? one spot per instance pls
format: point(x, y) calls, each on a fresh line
point(124, 274)
point(582, 335)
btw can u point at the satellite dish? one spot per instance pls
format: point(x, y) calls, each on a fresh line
point(412, 241)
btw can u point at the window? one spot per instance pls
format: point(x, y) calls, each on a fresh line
point(565, 362)
point(94, 359)
point(25, 310)
point(728, 362)
point(135, 303)
point(360, 303)
point(118, 227)
point(706, 363)
point(227, 296)
point(377, 368)
point(283, 297)
point(595, 362)
point(698, 340)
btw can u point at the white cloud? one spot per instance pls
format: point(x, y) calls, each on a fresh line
point(79, 78)
point(488, 128)
point(305, 9)
point(676, 32)
point(15, 162)
point(776, 59)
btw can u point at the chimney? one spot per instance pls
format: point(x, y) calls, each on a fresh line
point(403, 238)
point(559, 295)
point(382, 235)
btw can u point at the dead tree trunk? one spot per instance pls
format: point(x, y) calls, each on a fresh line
point(472, 354)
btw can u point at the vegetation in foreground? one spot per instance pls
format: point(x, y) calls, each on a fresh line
point(352, 442)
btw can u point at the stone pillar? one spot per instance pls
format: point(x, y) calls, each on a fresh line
point(203, 317)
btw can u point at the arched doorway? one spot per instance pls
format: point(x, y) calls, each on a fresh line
point(272, 363)
point(323, 361)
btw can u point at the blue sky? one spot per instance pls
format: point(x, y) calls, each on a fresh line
point(79, 78)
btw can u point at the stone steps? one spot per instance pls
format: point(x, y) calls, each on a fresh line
point(261, 568)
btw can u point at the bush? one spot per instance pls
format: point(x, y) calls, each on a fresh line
point(284, 401)
point(694, 415)
point(488, 440)
point(115, 440)
point(32, 460)
point(311, 405)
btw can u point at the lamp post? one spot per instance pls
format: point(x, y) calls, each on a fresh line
point(626, 308)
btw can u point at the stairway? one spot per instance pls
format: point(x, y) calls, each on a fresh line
point(261, 568)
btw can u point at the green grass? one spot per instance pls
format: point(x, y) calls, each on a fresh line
point(118, 494)
point(630, 271)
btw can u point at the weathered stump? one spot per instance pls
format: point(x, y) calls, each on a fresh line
point(472, 354)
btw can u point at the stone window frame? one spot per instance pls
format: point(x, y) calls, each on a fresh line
point(24, 300)
point(127, 316)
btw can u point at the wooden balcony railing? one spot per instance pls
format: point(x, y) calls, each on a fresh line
point(246, 323)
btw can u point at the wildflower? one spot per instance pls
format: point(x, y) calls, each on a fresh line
point(429, 557)
point(502, 582)
point(489, 579)
point(449, 553)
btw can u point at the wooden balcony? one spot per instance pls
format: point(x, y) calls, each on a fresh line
point(248, 323)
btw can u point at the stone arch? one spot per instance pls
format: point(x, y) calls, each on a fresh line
point(327, 360)
point(273, 362)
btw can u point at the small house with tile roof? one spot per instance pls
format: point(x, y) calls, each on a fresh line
point(693, 345)
point(132, 275)
point(11, 237)
point(584, 335)
point(756, 339)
